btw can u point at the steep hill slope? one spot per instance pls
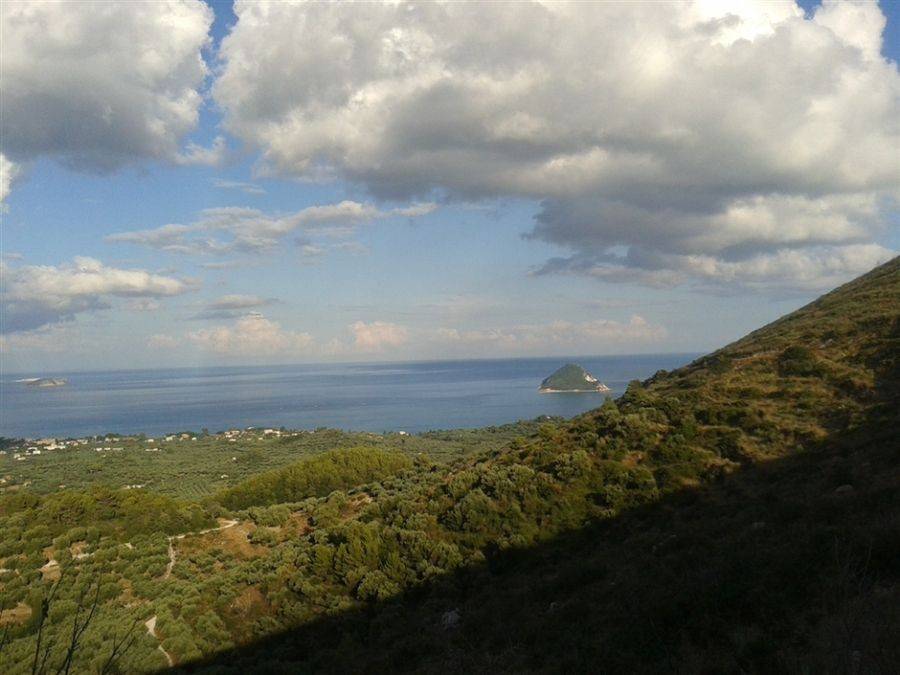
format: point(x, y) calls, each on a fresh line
point(813, 372)
point(739, 514)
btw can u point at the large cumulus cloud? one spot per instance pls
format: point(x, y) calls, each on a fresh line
point(734, 131)
point(99, 85)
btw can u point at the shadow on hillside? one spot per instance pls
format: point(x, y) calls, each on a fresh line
point(778, 568)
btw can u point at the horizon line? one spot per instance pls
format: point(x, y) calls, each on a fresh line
point(52, 373)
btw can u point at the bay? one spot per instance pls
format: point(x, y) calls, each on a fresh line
point(376, 397)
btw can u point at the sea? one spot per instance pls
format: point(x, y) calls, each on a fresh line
point(376, 397)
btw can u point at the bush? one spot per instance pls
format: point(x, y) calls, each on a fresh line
point(316, 477)
point(800, 361)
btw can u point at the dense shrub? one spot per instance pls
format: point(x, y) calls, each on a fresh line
point(800, 361)
point(316, 477)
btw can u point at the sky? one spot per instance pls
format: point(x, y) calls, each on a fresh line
point(187, 183)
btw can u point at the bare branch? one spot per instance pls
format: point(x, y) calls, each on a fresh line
point(120, 647)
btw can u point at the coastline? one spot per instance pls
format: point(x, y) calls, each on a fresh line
point(574, 391)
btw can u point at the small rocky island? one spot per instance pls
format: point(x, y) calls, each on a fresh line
point(44, 382)
point(572, 378)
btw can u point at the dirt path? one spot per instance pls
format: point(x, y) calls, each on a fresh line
point(171, 562)
point(223, 525)
point(52, 568)
point(151, 622)
point(151, 629)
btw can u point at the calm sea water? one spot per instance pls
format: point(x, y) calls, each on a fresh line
point(411, 397)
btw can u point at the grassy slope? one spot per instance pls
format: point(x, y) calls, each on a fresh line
point(769, 542)
point(808, 374)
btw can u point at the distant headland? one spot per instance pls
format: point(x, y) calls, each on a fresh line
point(572, 378)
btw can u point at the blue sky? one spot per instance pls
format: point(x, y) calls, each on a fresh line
point(419, 196)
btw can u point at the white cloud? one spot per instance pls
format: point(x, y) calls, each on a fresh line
point(233, 306)
point(351, 247)
point(252, 336)
point(416, 210)
point(163, 238)
point(8, 173)
point(255, 337)
point(99, 85)
point(51, 338)
point(37, 295)
point(254, 231)
point(377, 336)
point(162, 342)
point(726, 129)
point(143, 305)
point(859, 24)
point(221, 265)
point(248, 188)
point(311, 254)
point(197, 155)
point(815, 270)
point(596, 335)
point(784, 271)
point(238, 301)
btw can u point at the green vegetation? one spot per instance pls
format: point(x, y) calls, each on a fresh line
point(740, 514)
point(193, 469)
point(315, 477)
point(122, 512)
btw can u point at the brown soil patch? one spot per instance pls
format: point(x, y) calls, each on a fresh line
point(51, 571)
point(251, 600)
point(17, 615)
point(244, 610)
point(355, 504)
point(299, 523)
point(232, 540)
point(632, 459)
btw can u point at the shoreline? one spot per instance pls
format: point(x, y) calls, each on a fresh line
point(574, 391)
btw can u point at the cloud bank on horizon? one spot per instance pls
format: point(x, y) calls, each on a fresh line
point(724, 147)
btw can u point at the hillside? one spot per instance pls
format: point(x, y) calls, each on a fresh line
point(649, 535)
point(739, 514)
